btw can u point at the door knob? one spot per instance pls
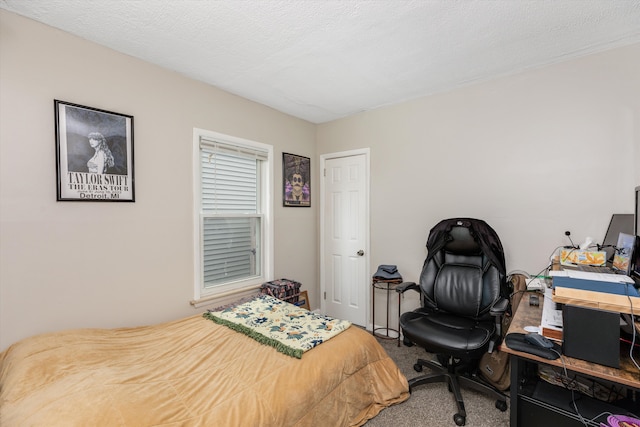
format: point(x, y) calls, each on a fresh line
point(360, 252)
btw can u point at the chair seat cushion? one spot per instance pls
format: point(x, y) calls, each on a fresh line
point(442, 333)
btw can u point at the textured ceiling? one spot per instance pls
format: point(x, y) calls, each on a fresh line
point(323, 60)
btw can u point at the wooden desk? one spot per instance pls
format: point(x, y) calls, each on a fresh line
point(528, 410)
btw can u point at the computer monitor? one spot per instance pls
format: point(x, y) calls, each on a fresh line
point(620, 223)
point(636, 230)
point(635, 263)
point(635, 260)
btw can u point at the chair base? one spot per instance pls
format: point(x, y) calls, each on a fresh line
point(454, 376)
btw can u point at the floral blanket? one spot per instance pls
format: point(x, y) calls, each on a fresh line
point(289, 329)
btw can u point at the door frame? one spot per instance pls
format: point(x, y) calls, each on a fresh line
point(367, 244)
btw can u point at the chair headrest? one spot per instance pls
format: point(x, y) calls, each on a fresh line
point(460, 241)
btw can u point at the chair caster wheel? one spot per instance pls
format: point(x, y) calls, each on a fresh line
point(459, 419)
point(417, 367)
point(406, 342)
point(501, 405)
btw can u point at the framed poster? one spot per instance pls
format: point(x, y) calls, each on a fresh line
point(296, 177)
point(94, 154)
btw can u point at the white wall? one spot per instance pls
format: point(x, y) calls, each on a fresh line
point(91, 264)
point(535, 154)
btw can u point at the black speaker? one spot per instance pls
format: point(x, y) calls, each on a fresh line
point(592, 335)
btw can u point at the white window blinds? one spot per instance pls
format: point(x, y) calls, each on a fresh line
point(231, 212)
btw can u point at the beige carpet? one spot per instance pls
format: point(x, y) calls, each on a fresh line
point(432, 404)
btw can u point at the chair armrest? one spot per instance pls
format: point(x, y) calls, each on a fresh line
point(500, 307)
point(405, 286)
point(497, 310)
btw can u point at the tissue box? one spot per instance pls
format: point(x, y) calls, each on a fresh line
point(579, 257)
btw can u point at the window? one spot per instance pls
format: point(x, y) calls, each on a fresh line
point(233, 206)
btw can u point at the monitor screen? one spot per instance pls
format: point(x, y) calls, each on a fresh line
point(636, 230)
point(620, 223)
point(635, 260)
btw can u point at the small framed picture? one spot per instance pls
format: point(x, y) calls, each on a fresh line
point(94, 154)
point(296, 177)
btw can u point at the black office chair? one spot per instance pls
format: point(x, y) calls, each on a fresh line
point(464, 295)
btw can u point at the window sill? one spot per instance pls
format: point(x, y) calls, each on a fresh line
point(224, 297)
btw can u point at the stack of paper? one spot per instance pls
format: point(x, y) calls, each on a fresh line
point(551, 321)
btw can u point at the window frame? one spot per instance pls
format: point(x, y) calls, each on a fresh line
point(265, 200)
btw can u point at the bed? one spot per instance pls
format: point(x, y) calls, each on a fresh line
point(193, 372)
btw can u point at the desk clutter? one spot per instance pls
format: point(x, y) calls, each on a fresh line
point(571, 386)
point(585, 385)
point(621, 421)
point(584, 312)
point(574, 346)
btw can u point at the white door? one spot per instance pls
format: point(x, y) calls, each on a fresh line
point(344, 236)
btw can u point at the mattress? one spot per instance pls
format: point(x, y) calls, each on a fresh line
point(193, 372)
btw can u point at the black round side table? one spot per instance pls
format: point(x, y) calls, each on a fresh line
point(386, 332)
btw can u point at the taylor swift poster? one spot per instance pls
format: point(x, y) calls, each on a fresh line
point(94, 154)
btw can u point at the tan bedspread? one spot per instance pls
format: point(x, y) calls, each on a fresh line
point(193, 372)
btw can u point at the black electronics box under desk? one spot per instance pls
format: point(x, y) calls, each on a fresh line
point(591, 334)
